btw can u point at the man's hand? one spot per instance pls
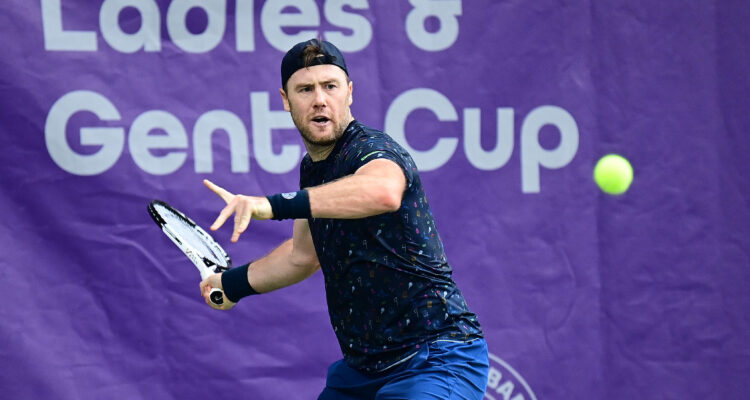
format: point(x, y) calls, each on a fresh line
point(208, 284)
point(244, 208)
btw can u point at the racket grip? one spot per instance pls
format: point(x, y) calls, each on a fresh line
point(216, 296)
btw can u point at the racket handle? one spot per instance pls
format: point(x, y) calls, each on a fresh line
point(216, 296)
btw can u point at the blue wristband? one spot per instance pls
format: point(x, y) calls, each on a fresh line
point(235, 283)
point(291, 205)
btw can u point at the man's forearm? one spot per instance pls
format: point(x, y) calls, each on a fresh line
point(351, 197)
point(376, 188)
point(279, 269)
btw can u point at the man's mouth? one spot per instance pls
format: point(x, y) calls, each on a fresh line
point(320, 120)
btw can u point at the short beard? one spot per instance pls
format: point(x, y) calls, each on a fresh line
point(308, 137)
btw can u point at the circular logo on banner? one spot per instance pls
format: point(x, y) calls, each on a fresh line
point(505, 383)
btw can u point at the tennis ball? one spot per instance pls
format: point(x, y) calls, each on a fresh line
point(613, 173)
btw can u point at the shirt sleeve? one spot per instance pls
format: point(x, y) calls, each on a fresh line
point(381, 147)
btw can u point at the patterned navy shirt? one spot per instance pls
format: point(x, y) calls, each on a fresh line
point(388, 283)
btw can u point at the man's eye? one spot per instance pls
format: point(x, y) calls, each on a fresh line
point(305, 89)
point(331, 86)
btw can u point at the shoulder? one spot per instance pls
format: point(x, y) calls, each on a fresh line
point(364, 136)
point(373, 144)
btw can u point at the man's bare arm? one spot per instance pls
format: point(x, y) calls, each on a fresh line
point(376, 188)
point(293, 261)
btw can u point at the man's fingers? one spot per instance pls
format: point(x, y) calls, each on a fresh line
point(242, 218)
point(223, 193)
point(244, 222)
point(237, 205)
point(226, 212)
point(240, 225)
point(205, 287)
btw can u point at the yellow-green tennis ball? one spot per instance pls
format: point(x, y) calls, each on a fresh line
point(613, 173)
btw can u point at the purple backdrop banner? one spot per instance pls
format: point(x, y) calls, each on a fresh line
point(505, 106)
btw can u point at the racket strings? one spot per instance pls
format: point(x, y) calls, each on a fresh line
point(192, 235)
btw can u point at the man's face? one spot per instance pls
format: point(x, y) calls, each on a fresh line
point(318, 98)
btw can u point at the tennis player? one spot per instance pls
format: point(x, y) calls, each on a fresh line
point(362, 217)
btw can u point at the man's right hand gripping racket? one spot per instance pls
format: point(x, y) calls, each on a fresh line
point(196, 243)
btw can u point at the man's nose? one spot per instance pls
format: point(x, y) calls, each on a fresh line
point(320, 97)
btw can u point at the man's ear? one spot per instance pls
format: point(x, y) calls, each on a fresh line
point(284, 99)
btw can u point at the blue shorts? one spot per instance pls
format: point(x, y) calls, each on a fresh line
point(440, 370)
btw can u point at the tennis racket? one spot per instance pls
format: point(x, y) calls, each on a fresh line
point(197, 245)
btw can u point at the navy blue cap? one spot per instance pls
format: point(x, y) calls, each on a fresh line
point(293, 60)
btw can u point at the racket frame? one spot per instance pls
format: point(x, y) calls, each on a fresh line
point(205, 266)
